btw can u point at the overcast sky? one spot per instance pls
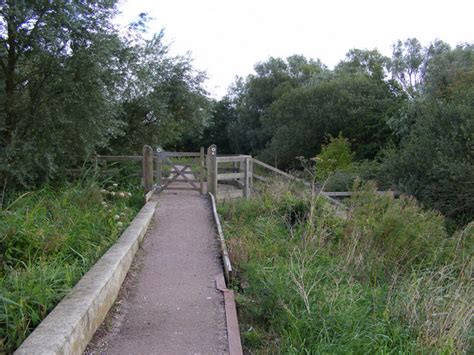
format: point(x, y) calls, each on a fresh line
point(226, 38)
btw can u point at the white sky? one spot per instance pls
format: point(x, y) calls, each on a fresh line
point(226, 38)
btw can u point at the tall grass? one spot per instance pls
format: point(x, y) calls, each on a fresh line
point(48, 239)
point(384, 277)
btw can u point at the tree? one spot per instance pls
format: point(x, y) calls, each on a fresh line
point(71, 85)
point(436, 157)
point(224, 115)
point(164, 104)
point(367, 62)
point(59, 80)
point(272, 80)
point(355, 105)
point(410, 61)
point(408, 65)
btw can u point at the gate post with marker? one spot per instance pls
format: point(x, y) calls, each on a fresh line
point(212, 181)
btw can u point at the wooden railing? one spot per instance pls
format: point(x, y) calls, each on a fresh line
point(226, 176)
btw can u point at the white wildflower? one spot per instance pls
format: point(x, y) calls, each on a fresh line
point(104, 191)
point(112, 193)
point(116, 217)
point(114, 185)
point(121, 194)
point(119, 224)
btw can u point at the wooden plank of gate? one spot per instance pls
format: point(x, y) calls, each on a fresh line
point(182, 188)
point(232, 322)
point(174, 178)
point(192, 180)
point(183, 173)
point(180, 154)
point(230, 176)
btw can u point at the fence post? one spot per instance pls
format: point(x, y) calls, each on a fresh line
point(96, 163)
point(246, 177)
point(251, 175)
point(147, 168)
point(201, 175)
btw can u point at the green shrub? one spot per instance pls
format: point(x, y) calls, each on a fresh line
point(335, 156)
point(48, 239)
point(340, 181)
point(383, 277)
point(397, 232)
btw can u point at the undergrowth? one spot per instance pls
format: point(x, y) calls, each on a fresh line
point(383, 277)
point(49, 238)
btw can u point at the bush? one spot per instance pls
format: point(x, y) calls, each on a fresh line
point(49, 239)
point(340, 181)
point(383, 277)
point(397, 233)
point(335, 156)
point(435, 161)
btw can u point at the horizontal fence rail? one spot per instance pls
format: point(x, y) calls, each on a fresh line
point(231, 159)
point(225, 176)
point(178, 154)
point(278, 171)
point(230, 176)
point(118, 157)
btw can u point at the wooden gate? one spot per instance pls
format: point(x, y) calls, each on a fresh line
point(180, 170)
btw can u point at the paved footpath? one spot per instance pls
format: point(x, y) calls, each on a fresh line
point(172, 305)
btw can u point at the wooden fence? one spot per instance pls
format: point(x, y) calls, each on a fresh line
point(225, 176)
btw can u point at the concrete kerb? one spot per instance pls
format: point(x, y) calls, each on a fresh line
point(72, 323)
point(232, 321)
point(220, 233)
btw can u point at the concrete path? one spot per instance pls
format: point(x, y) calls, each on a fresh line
point(169, 303)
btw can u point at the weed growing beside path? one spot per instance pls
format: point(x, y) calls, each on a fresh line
point(386, 278)
point(48, 240)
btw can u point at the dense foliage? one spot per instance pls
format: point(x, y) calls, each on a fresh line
point(435, 157)
point(49, 239)
point(385, 277)
point(408, 118)
point(72, 84)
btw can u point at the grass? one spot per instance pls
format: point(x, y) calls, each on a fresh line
point(386, 278)
point(49, 239)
